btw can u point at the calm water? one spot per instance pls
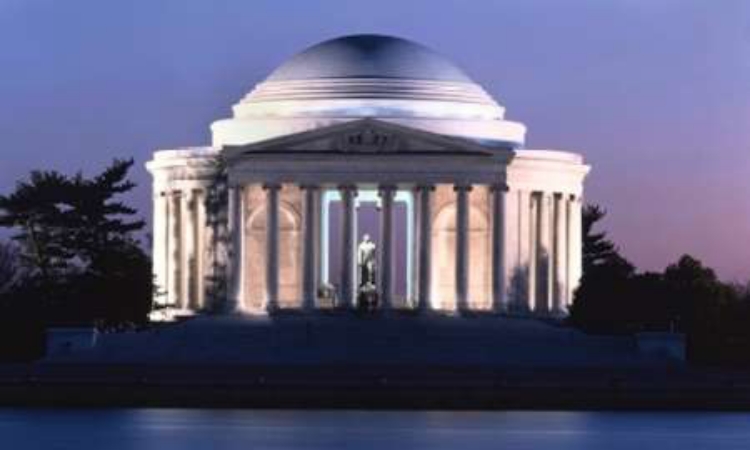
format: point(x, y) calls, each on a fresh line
point(211, 429)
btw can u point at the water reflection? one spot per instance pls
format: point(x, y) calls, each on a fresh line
point(167, 429)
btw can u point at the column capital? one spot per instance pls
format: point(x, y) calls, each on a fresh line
point(462, 187)
point(309, 187)
point(271, 186)
point(499, 187)
point(190, 194)
point(347, 187)
point(424, 187)
point(387, 188)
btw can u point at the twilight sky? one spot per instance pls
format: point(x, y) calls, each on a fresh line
point(655, 93)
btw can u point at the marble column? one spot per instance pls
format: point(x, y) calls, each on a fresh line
point(200, 248)
point(272, 246)
point(424, 254)
point(416, 196)
point(524, 300)
point(160, 248)
point(462, 247)
point(348, 247)
point(499, 263)
point(214, 224)
point(543, 255)
point(175, 269)
point(324, 211)
point(386, 261)
point(187, 290)
point(310, 247)
point(559, 284)
point(236, 263)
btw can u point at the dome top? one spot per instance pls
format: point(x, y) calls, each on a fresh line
point(368, 76)
point(368, 56)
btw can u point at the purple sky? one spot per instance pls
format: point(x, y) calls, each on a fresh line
point(655, 93)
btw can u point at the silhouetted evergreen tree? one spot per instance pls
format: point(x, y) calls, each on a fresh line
point(598, 251)
point(76, 240)
point(601, 301)
point(36, 210)
point(97, 221)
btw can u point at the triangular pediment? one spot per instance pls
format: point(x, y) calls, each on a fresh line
point(365, 136)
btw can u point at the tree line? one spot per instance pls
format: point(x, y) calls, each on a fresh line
point(687, 297)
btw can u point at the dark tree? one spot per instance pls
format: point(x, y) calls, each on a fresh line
point(729, 345)
point(97, 220)
point(613, 298)
point(21, 324)
point(650, 305)
point(697, 301)
point(36, 212)
point(598, 251)
point(9, 269)
point(76, 238)
point(687, 297)
point(602, 299)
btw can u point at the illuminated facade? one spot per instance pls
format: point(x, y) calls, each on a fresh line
point(269, 217)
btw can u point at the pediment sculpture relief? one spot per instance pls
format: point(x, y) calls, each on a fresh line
point(368, 140)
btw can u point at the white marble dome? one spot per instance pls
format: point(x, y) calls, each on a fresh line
point(358, 76)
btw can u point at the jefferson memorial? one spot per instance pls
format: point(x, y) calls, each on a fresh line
point(370, 172)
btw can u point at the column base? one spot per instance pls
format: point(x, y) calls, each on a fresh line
point(501, 310)
point(170, 314)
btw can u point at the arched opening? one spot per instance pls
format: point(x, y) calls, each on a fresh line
point(444, 258)
point(480, 260)
point(290, 257)
point(290, 229)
